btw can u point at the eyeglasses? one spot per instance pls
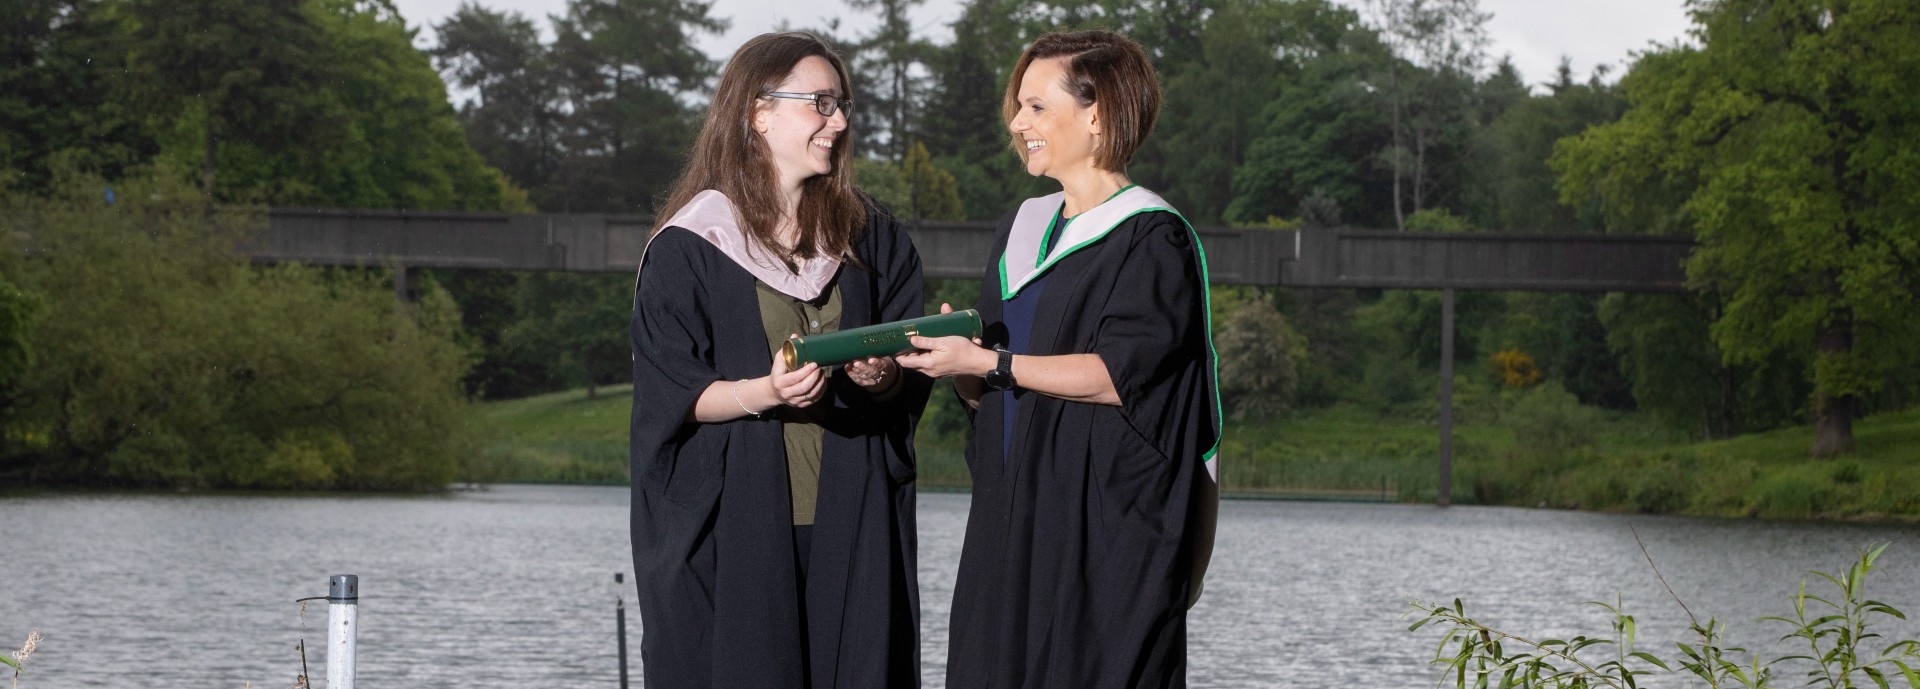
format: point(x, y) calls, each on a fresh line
point(824, 103)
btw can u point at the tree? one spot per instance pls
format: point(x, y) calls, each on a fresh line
point(962, 124)
point(1250, 54)
point(1793, 141)
point(888, 67)
point(625, 67)
point(1509, 175)
point(250, 71)
point(515, 118)
point(1437, 47)
point(403, 146)
point(577, 323)
point(307, 102)
point(1314, 136)
point(58, 91)
point(933, 191)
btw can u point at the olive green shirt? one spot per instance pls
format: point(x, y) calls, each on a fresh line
point(784, 315)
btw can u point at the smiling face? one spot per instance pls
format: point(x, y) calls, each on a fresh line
point(800, 139)
point(1056, 132)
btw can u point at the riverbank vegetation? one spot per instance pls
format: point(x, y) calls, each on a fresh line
point(1533, 458)
point(1835, 644)
point(160, 357)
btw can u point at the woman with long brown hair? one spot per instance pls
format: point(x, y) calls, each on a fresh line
point(773, 509)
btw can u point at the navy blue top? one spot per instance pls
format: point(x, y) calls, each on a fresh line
point(1017, 313)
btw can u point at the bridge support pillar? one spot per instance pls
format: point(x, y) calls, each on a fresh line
point(1445, 496)
point(403, 291)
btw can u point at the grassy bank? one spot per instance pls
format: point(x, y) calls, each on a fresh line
point(1613, 463)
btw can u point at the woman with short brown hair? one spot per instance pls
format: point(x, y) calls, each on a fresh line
point(1095, 416)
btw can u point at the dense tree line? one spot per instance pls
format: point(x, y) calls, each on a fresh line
point(137, 346)
point(1393, 114)
point(1779, 137)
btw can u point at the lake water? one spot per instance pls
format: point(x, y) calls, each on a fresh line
point(512, 586)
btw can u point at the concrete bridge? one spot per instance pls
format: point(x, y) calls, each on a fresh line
point(1299, 258)
point(1337, 258)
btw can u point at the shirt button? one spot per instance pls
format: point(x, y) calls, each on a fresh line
point(814, 324)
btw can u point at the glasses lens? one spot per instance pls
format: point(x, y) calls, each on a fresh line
point(825, 104)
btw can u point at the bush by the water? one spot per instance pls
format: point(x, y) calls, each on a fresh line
point(161, 357)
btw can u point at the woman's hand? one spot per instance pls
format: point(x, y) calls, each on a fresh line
point(948, 356)
point(800, 387)
point(874, 374)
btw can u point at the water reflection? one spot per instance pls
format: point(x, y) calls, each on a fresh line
point(513, 586)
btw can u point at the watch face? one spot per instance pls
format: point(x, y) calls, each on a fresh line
point(999, 380)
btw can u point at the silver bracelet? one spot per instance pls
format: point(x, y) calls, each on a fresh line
point(743, 405)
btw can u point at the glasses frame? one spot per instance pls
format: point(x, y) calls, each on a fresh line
point(824, 103)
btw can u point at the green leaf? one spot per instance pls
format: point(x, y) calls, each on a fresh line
point(1907, 671)
point(10, 662)
point(1656, 662)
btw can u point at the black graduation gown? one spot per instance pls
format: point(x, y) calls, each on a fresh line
point(712, 517)
point(1078, 553)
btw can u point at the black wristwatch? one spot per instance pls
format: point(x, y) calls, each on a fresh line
point(1001, 377)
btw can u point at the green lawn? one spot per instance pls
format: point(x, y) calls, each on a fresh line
point(1349, 454)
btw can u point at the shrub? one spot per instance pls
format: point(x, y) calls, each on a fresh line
point(1836, 631)
point(1549, 422)
point(163, 358)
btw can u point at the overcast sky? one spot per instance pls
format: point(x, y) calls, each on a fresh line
point(1534, 33)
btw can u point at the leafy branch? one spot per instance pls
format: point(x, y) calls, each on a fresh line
point(1477, 655)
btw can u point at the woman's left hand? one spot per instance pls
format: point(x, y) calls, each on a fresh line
point(873, 374)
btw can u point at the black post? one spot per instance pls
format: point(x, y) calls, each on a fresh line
point(1445, 498)
point(620, 617)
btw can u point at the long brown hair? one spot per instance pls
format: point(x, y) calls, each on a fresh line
point(732, 158)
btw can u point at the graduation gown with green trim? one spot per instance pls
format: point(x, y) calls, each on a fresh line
point(712, 522)
point(1083, 546)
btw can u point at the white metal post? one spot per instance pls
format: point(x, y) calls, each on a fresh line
point(343, 624)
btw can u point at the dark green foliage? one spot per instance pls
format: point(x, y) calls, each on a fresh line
point(1512, 186)
point(1783, 143)
point(515, 119)
point(301, 102)
point(1319, 125)
point(1564, 334)
point(1258, 352)
point(59, 60)
point(1336, 356)
point(622, 67)
point(1678, 376)
point(18, 308)
point(486, 299)
point(576, 323)
point(163, 358)
point(1548, 421)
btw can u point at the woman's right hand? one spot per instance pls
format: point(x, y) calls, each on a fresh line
point(940, 357)
point(798, 388)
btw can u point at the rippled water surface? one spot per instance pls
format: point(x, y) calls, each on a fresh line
point(512, 586)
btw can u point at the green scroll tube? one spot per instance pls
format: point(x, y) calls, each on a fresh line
point(885, 339)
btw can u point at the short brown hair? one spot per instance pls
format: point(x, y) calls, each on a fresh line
point(1103, 67)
